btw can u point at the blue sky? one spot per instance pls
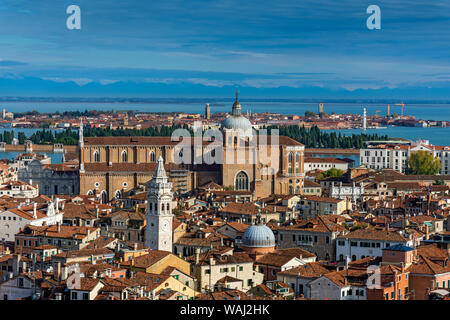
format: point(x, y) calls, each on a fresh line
point(256, 44)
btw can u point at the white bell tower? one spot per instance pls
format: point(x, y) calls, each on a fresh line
point(158, 234)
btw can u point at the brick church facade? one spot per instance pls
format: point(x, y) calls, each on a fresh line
point(110, 166)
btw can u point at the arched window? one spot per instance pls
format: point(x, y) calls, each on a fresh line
point(241, 181)
point(341, 257)
point(104, 196)
point(96, 156)
point(124, 156)
point(297, 163)
point(297, 190)
point(291, 190)
point(235, 141)
point(152, 156)
point(353, 258)
point(90, 193)
point(118, 194)
point(290, 162)
point(150, 206)
point(167, 207)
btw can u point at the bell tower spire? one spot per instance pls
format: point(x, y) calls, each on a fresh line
point(81, 146)
point(80, 135)
point(159, 217)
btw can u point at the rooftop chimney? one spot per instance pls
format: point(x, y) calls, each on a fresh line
point(34, 211)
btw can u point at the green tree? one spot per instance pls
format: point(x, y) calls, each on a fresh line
point(423, 162)
point(22, 137)
point(333, 173)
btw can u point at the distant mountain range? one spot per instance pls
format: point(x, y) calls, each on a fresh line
point(37, 87)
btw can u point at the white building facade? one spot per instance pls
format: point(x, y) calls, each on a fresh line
point(352, 247)
point(395, 157)
point(324, 164)
point(351, 192)
point(325, 289)
point(15, 219)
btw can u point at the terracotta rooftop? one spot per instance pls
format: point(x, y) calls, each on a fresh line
point(374, 234)
point(308, 270)
point(148, 260)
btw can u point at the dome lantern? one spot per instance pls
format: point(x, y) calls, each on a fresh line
point(237, 121)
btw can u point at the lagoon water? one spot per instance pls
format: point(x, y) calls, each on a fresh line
point(436, 135)
point(421, 111)
point(55, 157)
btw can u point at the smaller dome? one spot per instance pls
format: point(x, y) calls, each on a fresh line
point(258, 236)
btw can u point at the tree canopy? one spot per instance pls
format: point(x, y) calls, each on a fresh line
point(423, 162)
point(333, 173)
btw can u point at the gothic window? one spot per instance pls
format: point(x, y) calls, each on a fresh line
point(152, 156)
point(90, 193)
point(124, 156)
point(104, 196)
point(290, 162)
point(150, 206)
point(241, 181)
point(297, 163)
point(96, 156)
point(118, 195)
point(291, 190)
point(167, 207)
